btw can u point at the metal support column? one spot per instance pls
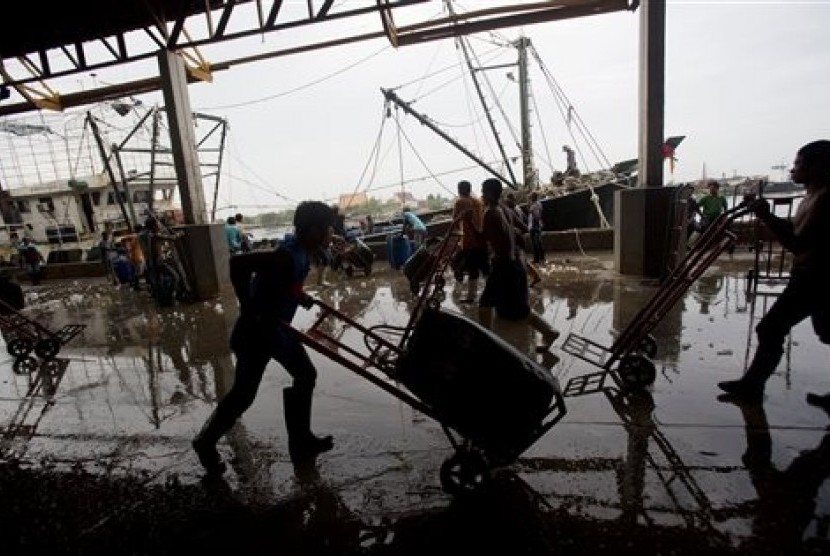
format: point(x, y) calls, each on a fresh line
point(652, 92)
point(641, 215)
point(204, 248)
point(182, 137)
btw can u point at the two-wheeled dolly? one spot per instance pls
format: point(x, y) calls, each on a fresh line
point(492, 401)
point(25, 337)
point(629, 360)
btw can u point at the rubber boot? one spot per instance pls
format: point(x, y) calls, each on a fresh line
point(303, 445)
point(750, 387)
point(205, 445)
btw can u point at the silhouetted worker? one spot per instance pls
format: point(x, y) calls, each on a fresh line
point(506, 289)
point(269, 287)
point(570, 161)
point(233, 236)
point(807, 294)
point(32, 260)
point(414, 227)
point(535, 224)
point(711, 205)
point(244, 237)
point(786, 501)
point(520, 227)
point(473, 255)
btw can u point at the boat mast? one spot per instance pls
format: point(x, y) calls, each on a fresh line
point(462, 42)
point(530, 178)
point(392, 97)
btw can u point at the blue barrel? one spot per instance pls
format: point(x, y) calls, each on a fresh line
point(398, 250)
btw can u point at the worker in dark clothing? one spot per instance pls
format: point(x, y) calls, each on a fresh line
point(806, 293)
point(269, 287)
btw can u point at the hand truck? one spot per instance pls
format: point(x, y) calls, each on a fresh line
point(407, 363)
point(629, 360)
point(24, 336)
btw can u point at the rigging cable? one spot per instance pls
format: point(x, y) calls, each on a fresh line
point(400, 155)
point(471, 110)
point(270, 189)
point(423, 163)
point(373, 153)
point(423, 178)
point(549, 159)
point(591, 141)
point(437, 72)
point(594, 197)
point(498, 104)
point(461, 41)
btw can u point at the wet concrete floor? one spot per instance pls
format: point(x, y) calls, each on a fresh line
point(95, 456)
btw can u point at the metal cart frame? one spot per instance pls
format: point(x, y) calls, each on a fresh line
point(629, 360)
point(24, 336)
point(470, 465)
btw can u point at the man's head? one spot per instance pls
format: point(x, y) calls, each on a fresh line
point(230, 220)
point(713, 186)
point(238, 217)
point(464, 188)
point(534, 197)
point(812, 164)
point(491, 191)
point(510, 200)
point(313, 223)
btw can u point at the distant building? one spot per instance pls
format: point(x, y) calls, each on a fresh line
point(406, 198)
point(348, 201)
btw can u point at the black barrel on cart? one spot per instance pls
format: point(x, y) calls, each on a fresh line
point(476, 383)
point(358, 255)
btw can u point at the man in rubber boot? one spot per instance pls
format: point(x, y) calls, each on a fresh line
point(269, 287)
point(806, 293)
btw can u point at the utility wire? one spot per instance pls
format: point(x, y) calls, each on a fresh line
point(300, 87)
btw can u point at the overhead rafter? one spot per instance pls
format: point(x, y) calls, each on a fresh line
point(56, 52)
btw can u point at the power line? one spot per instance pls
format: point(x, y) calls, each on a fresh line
point(300, 87)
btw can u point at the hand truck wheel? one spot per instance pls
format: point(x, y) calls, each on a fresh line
point(647, 345)
point(19, 347)
point(25, 365)
point(51, 367)
point(463, 473)
point(47, 348)
point(636, 371)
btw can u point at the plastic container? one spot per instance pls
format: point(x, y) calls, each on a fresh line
point(398, 249)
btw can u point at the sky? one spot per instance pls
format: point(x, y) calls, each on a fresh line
point(747, 83)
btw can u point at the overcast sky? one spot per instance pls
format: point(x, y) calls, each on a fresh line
point(746, 82)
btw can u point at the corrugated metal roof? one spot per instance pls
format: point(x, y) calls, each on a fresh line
point(49, 25)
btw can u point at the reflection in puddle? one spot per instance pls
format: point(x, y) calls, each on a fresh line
point(139, 381)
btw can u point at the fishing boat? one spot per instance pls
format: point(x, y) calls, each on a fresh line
point(67, 177)
point(572, 197)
